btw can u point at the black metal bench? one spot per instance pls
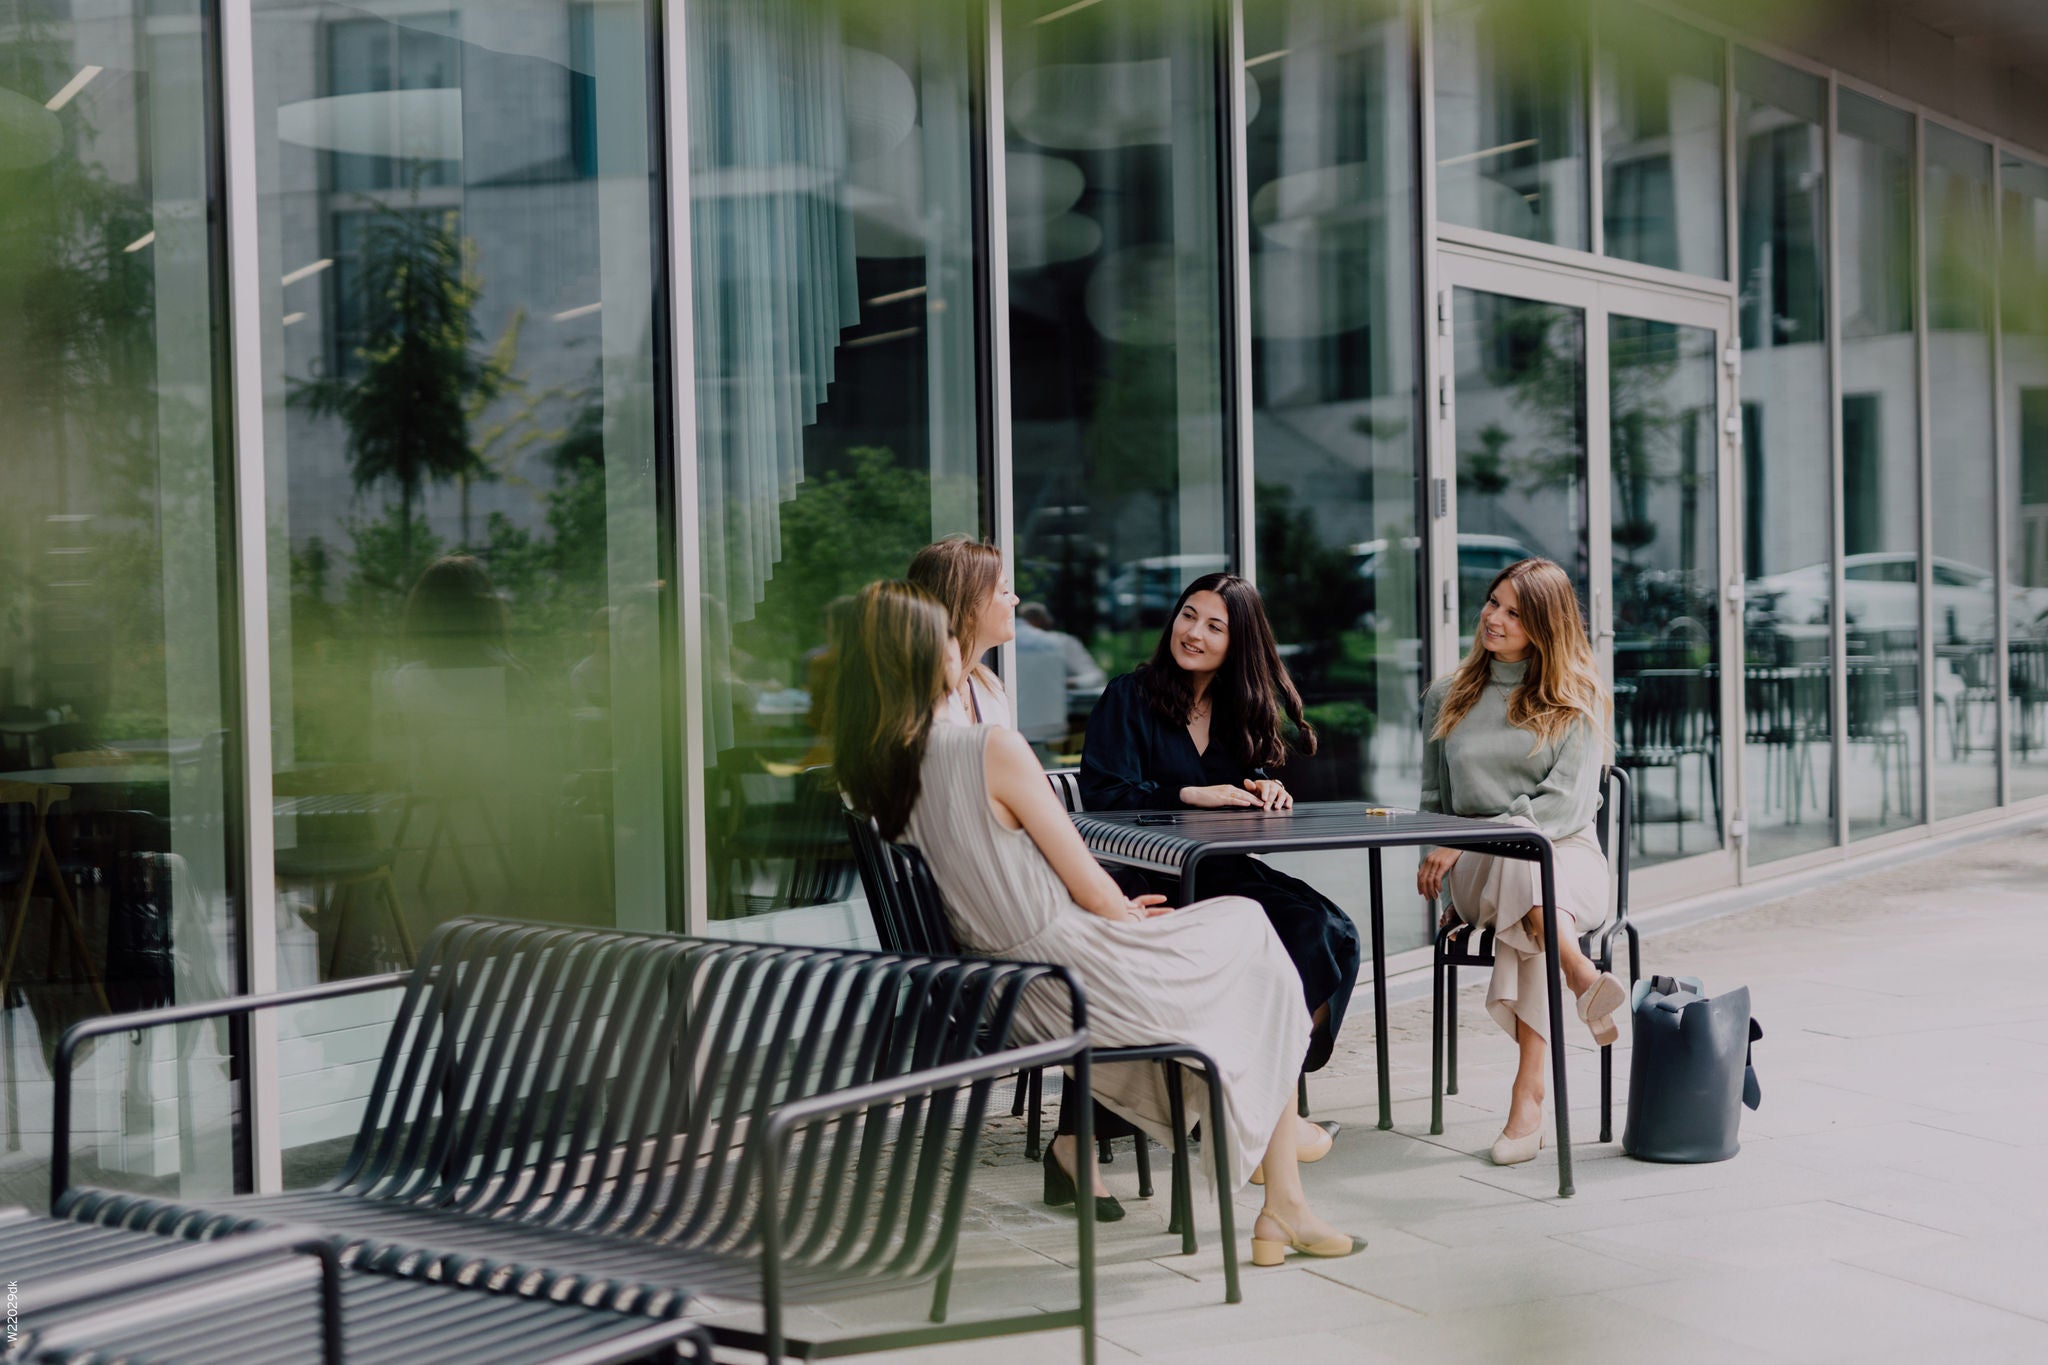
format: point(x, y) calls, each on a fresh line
point(624, 1120)
point(85, 1295)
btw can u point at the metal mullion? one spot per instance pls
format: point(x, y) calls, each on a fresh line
point(1237, 291)
point(252, 586)
point(689, 573)
point(1921, 329)
point(2000, 493)
point(1000, 456)
point(1436, 457)
point(1589, 92)
point(1838, 626)
point(1735, 646)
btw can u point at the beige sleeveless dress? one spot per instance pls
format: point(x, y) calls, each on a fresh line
point(1212, 975)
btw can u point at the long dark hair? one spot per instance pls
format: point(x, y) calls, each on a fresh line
point(891, 673)
point(1252, 693)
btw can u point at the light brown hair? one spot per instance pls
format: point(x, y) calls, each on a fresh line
point(1563, 682)
point(962, 573)
point(891, 673)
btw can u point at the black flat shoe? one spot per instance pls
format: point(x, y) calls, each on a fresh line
point(1060, 1192)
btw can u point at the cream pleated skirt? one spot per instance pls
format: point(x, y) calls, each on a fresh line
point(1489, 892)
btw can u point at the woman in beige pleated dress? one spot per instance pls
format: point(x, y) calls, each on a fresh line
point(1518, 732)
point(1019, 883)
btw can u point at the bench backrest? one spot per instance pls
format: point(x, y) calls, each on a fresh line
point(606, 1081)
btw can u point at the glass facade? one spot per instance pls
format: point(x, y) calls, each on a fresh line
point(466, 520)
point(1956, 182)
point(582, 355)
point(2023, 291)
point(834, 318)
point(1665, 533)
point(118, 679)
point(1880, 425)
point(1334, 386)
point(1511, 120)
point(1661, 153)
point(1119, 415)
point(1788, 598)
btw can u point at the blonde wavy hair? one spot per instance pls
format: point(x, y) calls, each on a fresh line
point(1563, 683)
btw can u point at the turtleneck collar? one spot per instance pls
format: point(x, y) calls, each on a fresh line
point(1510, 674)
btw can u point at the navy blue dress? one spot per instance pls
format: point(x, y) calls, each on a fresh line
point(1135, 759)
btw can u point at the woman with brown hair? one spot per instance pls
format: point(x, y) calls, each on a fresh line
point(1020, 884)
point(1201, 725)
point(966, 578)
point(1518, 733)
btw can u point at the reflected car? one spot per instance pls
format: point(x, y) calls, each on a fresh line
point(1141, 592)
point(1480, 557)
point(1881, 592)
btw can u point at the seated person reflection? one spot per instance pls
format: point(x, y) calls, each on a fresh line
point(1200, 726)
point(1517, 733)
point(1019, 884)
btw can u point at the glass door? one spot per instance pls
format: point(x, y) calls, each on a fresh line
point(1586, 421)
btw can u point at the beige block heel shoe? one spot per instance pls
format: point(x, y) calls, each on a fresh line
point(1271, 1253)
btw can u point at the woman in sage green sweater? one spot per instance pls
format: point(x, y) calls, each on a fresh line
point(1518, 732)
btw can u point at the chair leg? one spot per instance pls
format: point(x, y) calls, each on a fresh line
point(1033, 1117)
point(1607, 1093)
point(1017, 1100)
point(1104, 1153)
point(1301, 1094)
point(1144, 1155)
point(390, 885)
point(1181, 1220)
point(1436, 1043)
point(1225, 1214)
point(942, 1292)
point(1450, 1028)
point(340, 901)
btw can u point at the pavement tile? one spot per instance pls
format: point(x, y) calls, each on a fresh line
point(1821, 1311)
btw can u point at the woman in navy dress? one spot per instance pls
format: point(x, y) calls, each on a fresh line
point(1200, 727)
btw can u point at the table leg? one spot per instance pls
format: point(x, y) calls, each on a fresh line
point(1555, 977)
point(1379, 993)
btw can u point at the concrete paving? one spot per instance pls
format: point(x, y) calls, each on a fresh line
point(1888, 1204)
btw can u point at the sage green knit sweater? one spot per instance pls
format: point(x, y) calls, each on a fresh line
point(1484, 767)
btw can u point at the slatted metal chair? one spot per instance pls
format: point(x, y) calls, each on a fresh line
point(1457, 946)
point(281, 1297)
point(629, 1119)
point(898, 876)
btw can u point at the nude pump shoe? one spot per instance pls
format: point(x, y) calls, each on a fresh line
point(1514, 1151)
point(1271, 1253)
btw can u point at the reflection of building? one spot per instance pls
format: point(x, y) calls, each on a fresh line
point(695, 338)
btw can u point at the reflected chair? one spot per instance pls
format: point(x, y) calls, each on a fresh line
point(338, 855)
point(40, 859)
point(1877, 691)
point(2028, 693)
point(1458, 946)
point(1662, 718)
point(805, 837)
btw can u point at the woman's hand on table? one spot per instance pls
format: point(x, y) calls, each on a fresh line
point(1222, 796)
point(1429, 878)
point(1271, 794)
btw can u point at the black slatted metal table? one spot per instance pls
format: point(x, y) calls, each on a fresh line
point(1176, 843)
